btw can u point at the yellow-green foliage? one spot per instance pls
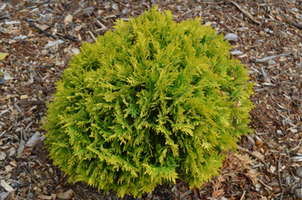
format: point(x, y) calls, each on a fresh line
point(150, 102)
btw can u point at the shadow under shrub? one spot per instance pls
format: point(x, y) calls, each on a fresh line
point(148, 103)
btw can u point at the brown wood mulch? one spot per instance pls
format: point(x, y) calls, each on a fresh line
point(40, 36)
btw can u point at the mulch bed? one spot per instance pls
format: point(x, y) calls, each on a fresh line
point(40, 37)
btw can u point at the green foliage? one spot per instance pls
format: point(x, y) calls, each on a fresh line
point(148, 103)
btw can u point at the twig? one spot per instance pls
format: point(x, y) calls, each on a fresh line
point(30, 102)
point(5, 111)
point(99, 24)
point(2, 133)
point(294, 23)
point(279, 178)
point(18, 109)
point(92, 35)
point(51, 35)
point(266, 77)
point(245, 12)
point(21, 185)
point(242, 196)
point(271, 57)
point(28, 126)
point(266, 186)
point(31, 24)
point(68, 37)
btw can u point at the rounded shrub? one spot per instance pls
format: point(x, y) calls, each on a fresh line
point(148, 103)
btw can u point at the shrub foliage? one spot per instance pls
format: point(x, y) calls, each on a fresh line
point(148, 103)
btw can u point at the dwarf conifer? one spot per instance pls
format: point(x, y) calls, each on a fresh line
point(148, 103)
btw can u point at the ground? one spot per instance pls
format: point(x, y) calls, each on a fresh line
point(265, 35)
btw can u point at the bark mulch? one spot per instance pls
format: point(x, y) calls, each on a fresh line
point(38, 38)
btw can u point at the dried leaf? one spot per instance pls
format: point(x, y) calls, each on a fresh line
point(217, 189)
point(253, 174)
point(3, 55)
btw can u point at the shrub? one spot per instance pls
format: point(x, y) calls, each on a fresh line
point(150, 102)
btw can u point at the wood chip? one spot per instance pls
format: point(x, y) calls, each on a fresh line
point(68, 19)
point(2, 155)
point(25, 96)
point(6, 186)
point(65, 195)
point(33, 140)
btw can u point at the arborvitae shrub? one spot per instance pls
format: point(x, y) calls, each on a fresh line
point(150, 102)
